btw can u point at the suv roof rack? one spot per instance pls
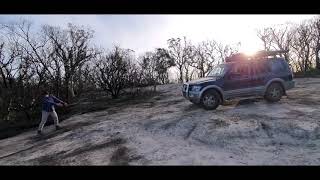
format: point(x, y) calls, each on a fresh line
point(258, 55)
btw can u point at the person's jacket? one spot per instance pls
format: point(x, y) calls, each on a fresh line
point(49, 102)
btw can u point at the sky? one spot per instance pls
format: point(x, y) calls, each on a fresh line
point(145, 32)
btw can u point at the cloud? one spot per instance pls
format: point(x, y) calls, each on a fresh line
point(146, 32)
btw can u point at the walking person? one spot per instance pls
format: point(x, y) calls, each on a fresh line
point(48, 109)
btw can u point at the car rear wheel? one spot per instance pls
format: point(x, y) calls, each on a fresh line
point(210, 100)
point(274, 92)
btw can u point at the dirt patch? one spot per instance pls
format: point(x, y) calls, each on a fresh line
point(247, 116)
point(95, 109)
point(266, 128)
point(159, 113)
point(143, 98)
point(50, 160)
point(160, 97)
point(95, 130)
point(146, 105)
point(190, 131)
point(9, 129)
point(309, 102)
point(172, 102)
point(60, 157)
point(217, 123)
point(122, 157)
point(248, 101)
point(101, 115)
point(149, 124)
point(24, 151)
point(234, 119)
point(64, 129)
point(295, 113)
point(171, 124)
point(94, 147)
point(168, 112)
point(191, 107)
point(292, 133)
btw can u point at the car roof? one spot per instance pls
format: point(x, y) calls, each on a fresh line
point(255, 60)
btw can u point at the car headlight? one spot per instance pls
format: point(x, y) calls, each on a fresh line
point(195, 88)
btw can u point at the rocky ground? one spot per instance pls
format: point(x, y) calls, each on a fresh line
point(169, 130)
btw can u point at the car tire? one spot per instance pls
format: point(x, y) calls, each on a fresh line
point(274, 92)
point(210, 100)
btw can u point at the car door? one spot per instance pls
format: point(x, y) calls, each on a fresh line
point(260, 73)
point(237, 80)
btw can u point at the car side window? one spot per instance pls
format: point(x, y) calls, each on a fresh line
point(241, 69)
point(254, 69)
point(261, 68)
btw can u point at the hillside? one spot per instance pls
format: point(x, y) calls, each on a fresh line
point(169, 130)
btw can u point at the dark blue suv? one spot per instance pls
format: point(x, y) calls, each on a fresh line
point(264, 74)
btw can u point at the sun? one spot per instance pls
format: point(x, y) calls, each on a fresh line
point(249, 48)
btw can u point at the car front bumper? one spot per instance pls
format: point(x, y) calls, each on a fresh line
point(193, 96)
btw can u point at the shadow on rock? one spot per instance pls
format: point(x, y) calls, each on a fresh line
point(248, 101)
point(66, 128)
point(58, 158)
point(122, 157)
point(191, 107)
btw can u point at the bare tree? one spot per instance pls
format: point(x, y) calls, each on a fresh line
point(181, 51)
point(148, 66)
point(203, 59)
point(163, 62)
point(112, 71)
point(281, 38)
point(155, 67)
point(134, 77)
point(6, 82)
point(7, 68)
point(266, 37)
point(72, 47)
point(226, 50)
point(209, 53)
point(33, 49)
point(315, 25)
point(15, 91)
point(85, 79)
point(302, 46)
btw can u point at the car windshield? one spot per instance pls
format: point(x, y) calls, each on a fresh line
point(218, 70)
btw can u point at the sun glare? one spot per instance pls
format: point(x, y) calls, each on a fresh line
point(249, 52)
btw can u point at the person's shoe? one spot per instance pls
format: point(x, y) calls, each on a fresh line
point(58, 127)
point(39, 132)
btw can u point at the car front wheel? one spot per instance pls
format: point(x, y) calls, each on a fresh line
point(210, 100)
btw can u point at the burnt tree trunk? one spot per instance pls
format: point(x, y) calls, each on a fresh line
point(181, 75)
point(318, 57)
